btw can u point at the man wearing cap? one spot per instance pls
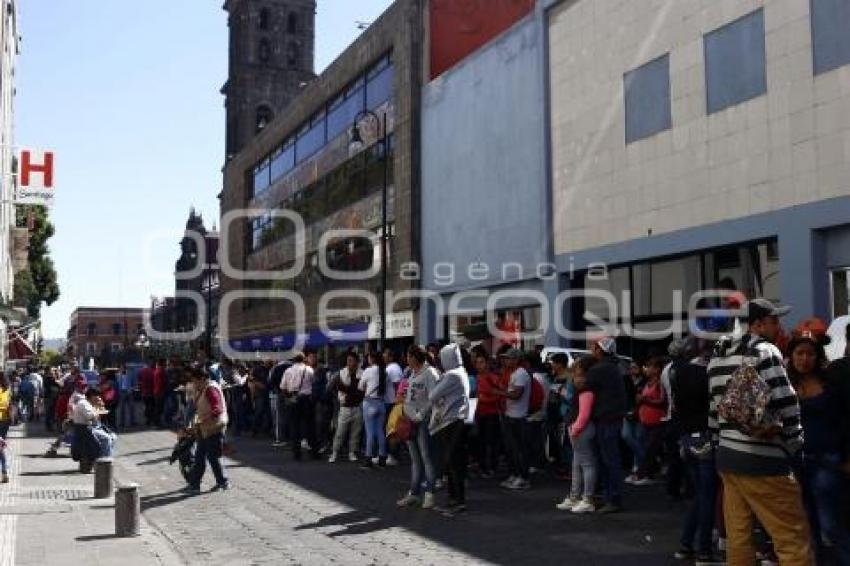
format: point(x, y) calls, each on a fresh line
point(607, 382)
point(755, 466)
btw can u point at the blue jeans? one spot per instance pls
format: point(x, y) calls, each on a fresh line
point(421, 463)
point(826, 494)
point(208, 449)
point(699, 520)
point(374, 413)
point(631, 436)
point(608, 443)
point(126, 409)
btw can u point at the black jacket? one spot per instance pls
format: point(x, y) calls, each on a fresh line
point(606, 381)
point(691, 396)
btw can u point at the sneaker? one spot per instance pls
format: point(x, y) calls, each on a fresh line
point(409, 500)
point(221, 486)
point(643, 481)
point(609, 508)
point(519, 483)
point(277, 444)
point(508, 482)
point(684, 553)
point(567, 504)
point(376, 460)
point(391, 461)
point(453, 510)
point(439, 484)
point(631, 479)
point(427, 500)
point(191, 490)
point(332, 459)
point(584, 507)
point(352, 457)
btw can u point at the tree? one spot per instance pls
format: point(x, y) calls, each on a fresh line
point(37, 284)
point(50, 358)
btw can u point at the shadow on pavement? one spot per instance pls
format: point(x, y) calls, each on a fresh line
point(72, 471)
point(154, 461)
point(94, 538)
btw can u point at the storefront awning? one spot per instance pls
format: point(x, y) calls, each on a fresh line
point(345, 334)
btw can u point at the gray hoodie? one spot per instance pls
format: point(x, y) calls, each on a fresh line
point(417, 407)
point(450, 396)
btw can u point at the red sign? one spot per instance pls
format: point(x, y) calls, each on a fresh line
point(460, 27)
point(37, 174)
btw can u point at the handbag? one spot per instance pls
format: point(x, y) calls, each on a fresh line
point(398, 425)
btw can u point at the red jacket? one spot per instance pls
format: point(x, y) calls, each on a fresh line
point(488, 402)
point(653, 405)
point(146, 381)
point(158, 382)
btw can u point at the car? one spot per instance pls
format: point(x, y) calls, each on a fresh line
point(574, 354)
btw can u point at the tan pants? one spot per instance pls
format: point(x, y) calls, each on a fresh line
point(777, 502)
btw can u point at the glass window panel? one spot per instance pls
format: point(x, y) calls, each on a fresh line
point(672, 277)
point(831, 34)
point(735, 62)
point(616, 282)
point(380, 88)
point(312, 141)
point(341, 118)
point(261, 178)
point(283, 162)
point(647, 98)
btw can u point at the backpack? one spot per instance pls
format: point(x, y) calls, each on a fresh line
point(536, 397)
point(745, 402)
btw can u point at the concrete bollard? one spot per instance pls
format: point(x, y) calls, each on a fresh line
point(102, 478)
point(127, 510)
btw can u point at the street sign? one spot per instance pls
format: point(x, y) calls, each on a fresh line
point(35, 178)
point(399, 325)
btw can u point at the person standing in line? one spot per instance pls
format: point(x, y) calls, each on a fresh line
point(488, 416)
point(276, 402)
point(417, 408)
point(374, 387)
point(297, 388)
point(160, 391)
point(52, 389)
point(517, 396)
point(582, 431)
point(394, 377)
point(607, 382)
point(146, 390)
point(209, 424)
point(349, 426)
point(753, 461)
point(5, 423)
point(449, 399)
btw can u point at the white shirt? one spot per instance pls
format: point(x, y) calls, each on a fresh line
point(394, 376)
point(369, 384)
point(84, 413)
point(518, 408)
point(298, 379)
point(665, 384)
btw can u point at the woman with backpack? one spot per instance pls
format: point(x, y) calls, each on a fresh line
point(825, 488)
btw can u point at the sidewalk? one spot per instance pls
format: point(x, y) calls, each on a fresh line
point(49, 517)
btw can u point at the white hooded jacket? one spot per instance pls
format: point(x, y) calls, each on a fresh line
point(450, 396)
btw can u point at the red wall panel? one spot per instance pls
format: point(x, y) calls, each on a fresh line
point(459, 27)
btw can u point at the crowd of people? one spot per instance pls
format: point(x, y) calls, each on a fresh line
point(752, 431)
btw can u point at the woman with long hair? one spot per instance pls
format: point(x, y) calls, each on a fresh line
point(825, 487)
point(374, 388)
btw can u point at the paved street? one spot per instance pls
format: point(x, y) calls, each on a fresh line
point(280, 511)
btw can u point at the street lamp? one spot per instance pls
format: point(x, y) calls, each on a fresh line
point(355, 145)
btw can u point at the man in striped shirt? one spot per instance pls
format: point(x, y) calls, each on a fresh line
point(756, 467)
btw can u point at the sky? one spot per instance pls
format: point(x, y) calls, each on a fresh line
point(126, 93)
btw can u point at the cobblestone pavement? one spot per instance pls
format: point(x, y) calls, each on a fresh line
point(281, 511)
point(284, 512)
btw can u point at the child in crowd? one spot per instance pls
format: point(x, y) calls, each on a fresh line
point(582, 433)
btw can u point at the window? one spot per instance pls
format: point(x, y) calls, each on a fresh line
point(116, 329)
point(311, 139)
point(283, 161)
point(265, 18)
point(379, 86)
point(292, 23)
point(264, 51)
point(345, 109)
point(261, 177)
point(116, 347)
point(91, 349)
point(647, 96)
point(292, 54)
point(830, 35)
point(735, 62)
point(264, 116)
point(91, 329)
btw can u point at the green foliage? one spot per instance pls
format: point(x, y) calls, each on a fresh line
point(38, 283)
point(50, 358)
